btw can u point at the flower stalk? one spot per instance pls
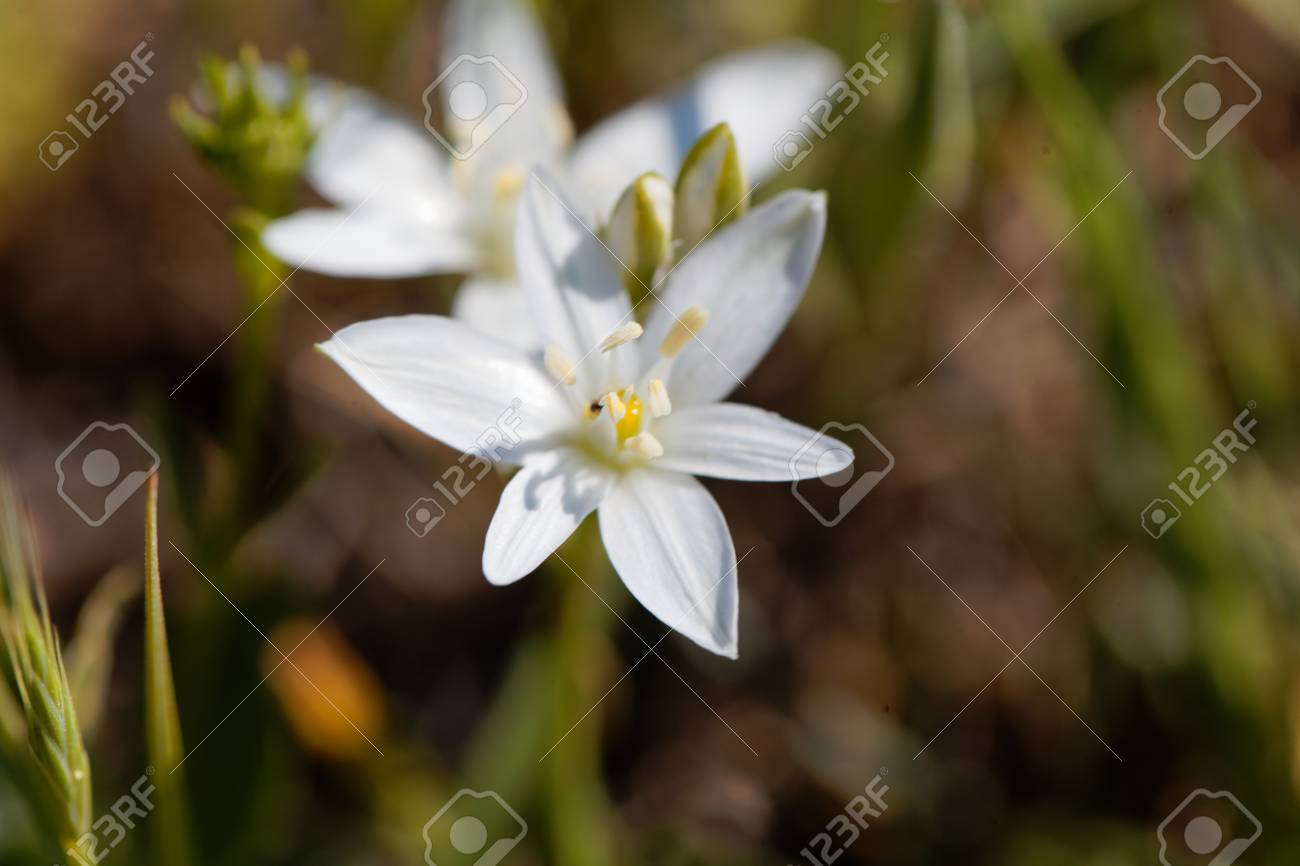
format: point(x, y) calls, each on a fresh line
point(257, 140)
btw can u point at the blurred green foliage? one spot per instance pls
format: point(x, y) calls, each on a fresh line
point(1025, 457)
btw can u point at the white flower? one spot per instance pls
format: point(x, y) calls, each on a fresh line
point(616, 418)
point(402, 207)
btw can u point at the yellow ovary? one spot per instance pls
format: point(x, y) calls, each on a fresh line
point(630, 424)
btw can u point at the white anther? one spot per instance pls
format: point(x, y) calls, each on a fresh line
point(688, 324)
point(614, 404)
point(657, 393)
point(622, 334)
point(558, 365)
point(644, 445)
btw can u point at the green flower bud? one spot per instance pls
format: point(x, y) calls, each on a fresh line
point(256, 138)
point(640, 232)
point(710, 187)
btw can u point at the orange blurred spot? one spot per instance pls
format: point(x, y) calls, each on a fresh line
point(333, 701)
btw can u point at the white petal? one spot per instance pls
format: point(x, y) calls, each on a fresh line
point(449, 381)
point(369, 242)
point(498, 309)
point(499, 46)
point(728, 440)
point(750, 276)
point(570, 280)
point(539, 509)
point(761, 93)
point(367, 152)
point(670, 544)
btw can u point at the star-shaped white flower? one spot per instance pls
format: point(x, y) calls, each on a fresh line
point(617, 417)
point(402, 207)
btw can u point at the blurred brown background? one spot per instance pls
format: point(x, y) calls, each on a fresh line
point(1023, 464)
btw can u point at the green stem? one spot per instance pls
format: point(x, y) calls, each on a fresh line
point(540, 746)
point(260, 275)
point(578, 810)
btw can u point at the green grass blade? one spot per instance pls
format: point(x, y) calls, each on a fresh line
point(162, 721)
point(90, 652)
point(37, 674)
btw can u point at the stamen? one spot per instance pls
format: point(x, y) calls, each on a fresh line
point(623, 334)
point(688, 324)
point(614, 404)
point(558, 365)
point(644, 445)
point(509, 181)
point(660, 405)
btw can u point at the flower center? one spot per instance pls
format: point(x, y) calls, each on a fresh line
point(626, 409)
point(630, 424)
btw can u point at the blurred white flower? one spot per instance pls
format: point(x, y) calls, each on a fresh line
point(616, 417)
point(402, 207)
